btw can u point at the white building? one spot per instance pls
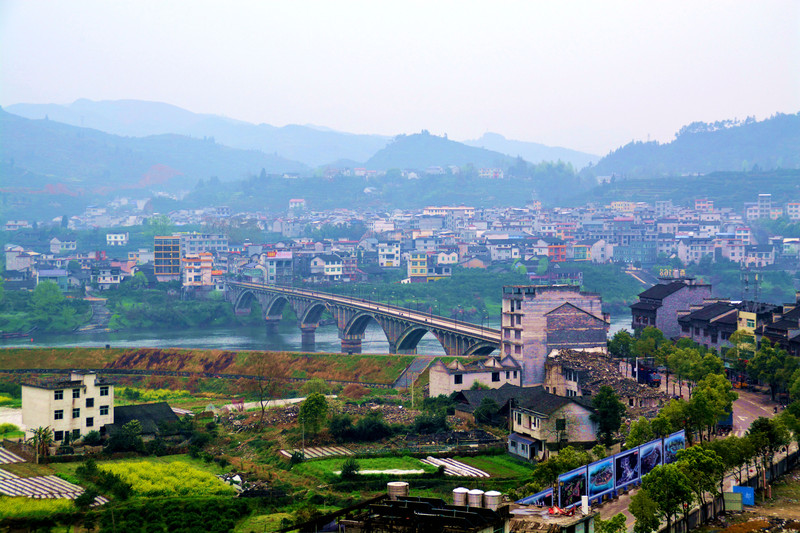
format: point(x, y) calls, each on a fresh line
point(78, 405)
point(389, 254)
point(117, 239)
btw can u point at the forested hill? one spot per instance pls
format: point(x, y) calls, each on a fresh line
point(423, 150)
point(87, 159)
point(704, 147)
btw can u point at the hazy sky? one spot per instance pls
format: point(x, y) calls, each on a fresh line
point(585, 75)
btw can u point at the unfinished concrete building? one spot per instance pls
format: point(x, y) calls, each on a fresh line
point(538, 319)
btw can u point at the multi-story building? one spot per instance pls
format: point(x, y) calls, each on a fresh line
point(195, 243)
point(167, 257)
point(279, 265)
point(703, 205)
point(389, 254)
point(82, 403)
point(117, 239)
point(197, 269)
point(658, 306)
point(326, 267)
point(793, 211)
point(537, 319)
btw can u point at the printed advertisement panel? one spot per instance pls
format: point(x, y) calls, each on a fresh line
point(571, 486)
point(601, 477)
point(626, 466)
point(650, 456)
point(673, 443)
point(542, 499)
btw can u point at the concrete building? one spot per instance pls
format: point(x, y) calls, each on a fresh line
point(196, 269)
point(117, 239)
point(389, 254)
point(279, 265)
point(167, 257)
point(195, 243)
point(82, 403)
point(658, 306)
point(538, 319)
point(455, 376)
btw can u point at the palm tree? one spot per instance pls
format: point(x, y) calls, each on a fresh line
point(41, 441)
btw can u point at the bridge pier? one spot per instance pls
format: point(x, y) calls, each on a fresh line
point(351, 346)
point(272, 325)
point(308, 337)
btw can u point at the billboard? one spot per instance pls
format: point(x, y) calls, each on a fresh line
point(650, 456)
point(542, 499)
point(626, 466)
point(673, 443)
point(601, 477)
point(571, 486)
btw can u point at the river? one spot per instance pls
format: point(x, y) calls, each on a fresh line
point(238, 338)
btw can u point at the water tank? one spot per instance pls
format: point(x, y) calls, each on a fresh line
point(396, 489)
point(475, 498)
point(460, 496)
point(492, 499)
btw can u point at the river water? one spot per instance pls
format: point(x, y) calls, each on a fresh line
point(239, 338)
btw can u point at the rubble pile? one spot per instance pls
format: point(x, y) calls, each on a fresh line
point(596, 370)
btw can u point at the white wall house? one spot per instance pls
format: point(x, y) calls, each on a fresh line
point(82, 403)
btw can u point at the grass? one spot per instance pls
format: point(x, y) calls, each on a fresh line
point(500, 466)
point(268, 522)
point(29, 469)
point(360, 367)
point(323, 467)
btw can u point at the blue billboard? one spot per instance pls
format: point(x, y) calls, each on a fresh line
point(672, 444)
point(626, 467)
point(601, 477)
point(650, 456)
point(541, 499)
point(571, 487)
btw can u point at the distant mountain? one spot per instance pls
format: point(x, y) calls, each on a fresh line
point(703, 148)
point(422, 150)
point(88, 159)
point(312, 145)
point(533, 152)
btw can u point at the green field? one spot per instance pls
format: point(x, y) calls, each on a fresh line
point(499, 466)
point(184, 459)
point(322, 467)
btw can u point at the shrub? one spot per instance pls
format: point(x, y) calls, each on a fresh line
point(427, 423)
point(354, 391)
point(93, 438)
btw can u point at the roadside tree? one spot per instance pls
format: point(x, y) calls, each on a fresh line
point(608, 413)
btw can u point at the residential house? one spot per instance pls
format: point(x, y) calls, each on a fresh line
point(455, 376)
point(117, 239)
point(658, 306)
point(326, 267)
point(81, 403)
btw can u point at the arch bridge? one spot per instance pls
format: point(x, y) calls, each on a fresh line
point(404, 328)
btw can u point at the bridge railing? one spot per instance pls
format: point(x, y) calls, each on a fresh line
point(489, 333)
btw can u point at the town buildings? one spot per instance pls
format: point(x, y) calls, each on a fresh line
point(658, 306)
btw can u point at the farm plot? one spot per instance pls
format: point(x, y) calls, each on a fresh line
point(168, 479)
point(7, 457)
point(318, 451)
point(41, 487)
point(455, 468)
point(370, 465)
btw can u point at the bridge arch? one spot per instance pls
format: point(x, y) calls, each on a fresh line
point(244, 300)
point(275, 306)
point(312, 314)
point(408, 340)
point(481, 348)
point(357, 325)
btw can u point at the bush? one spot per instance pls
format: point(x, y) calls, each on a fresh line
point(93, 438)
point(350, 468)
point(428, 423)
point(354, 391)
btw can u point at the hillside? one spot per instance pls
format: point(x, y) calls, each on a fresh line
point(422, 150)
point(311, 145)
point(703, 148)
point(728, 189)
point(533, 152)
point(85, 159)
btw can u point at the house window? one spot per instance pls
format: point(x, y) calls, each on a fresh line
point(89, 402)
point(76, 413)
point(58, 395)
point(58, 414)
point(515, 374)
point(89, 422)
point(561, 424)
point(495, 376)
point(104, 390)
point(751, 323)
point(508, 374)
point(58, 435)
point(76, 393)
point(103, 410)
point(458, 379)
point(76, 434)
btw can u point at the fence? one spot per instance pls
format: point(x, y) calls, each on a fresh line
point(714, 508)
